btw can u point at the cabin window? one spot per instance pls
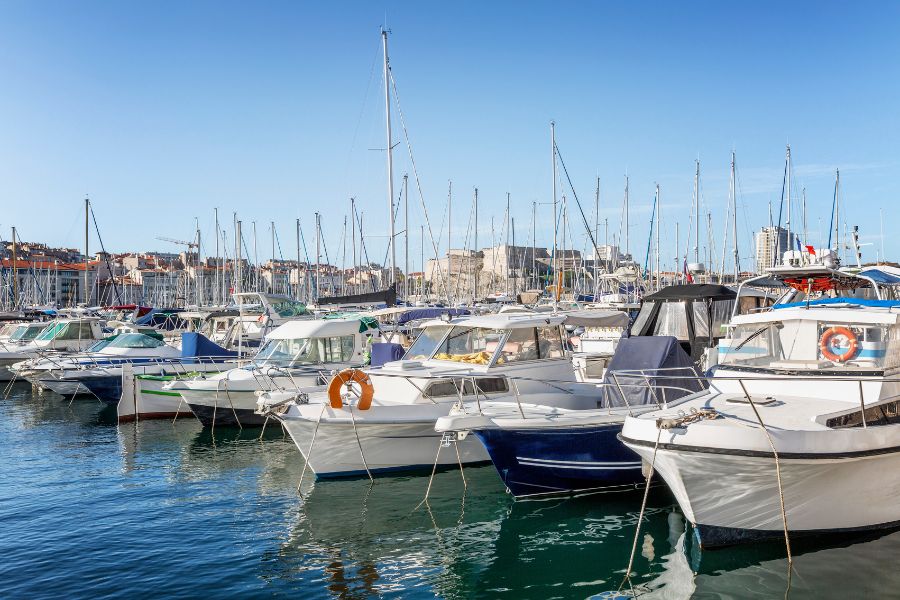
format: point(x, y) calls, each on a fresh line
point(882, 414)
point(449, 387)
point(721, 316)
point(472, 345)
point(522, 344)
point(701, 319)
point(288, 352)
point(76, 331)
point(51, 331)
point(672, 320)
point(427, 342)
point(643, 316)
point(550, 342)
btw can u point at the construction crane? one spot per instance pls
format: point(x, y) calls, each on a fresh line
point(190, 245)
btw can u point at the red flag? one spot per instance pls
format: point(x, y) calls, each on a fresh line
point(811, 250)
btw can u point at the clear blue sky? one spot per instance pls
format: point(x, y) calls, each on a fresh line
point(162, 110)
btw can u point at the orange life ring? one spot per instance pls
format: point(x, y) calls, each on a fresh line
point(825, 344)
point(346, 378)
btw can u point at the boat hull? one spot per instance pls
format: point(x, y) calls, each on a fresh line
point(387, 447)
point(734, 498)
point(535, 462)
point(145, 398)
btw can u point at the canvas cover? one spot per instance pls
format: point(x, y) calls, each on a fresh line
point(661, 361)
point(388, 296)
point(195, 345)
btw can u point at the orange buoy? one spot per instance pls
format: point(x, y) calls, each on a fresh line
point(347, 378)
point(831, 333)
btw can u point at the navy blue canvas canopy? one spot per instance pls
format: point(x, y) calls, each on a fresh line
point(880, 276)
point(195, 345)
point(660, 360)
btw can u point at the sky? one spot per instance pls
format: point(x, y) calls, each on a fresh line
point(162, 111)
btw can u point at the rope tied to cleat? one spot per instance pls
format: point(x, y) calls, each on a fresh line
point(694, 416)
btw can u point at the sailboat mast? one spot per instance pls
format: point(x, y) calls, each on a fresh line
point(449, 239)
point(508, 218)
point(406, 236)
point(534, 272)
point(390, 155)
point(658, 220)
point(627, 247)
point(837, 213)
point(297, 235)
point(737, 265)
point(789, 169)
point(318, 256)
point(216, 289)
point(697, 212)
point(553, 258)
point(475, 254)
point(87, 289)
point(596, 232)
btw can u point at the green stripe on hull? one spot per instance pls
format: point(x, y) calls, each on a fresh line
point(160, 393)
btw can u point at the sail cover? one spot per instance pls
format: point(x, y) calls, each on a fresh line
point(649, 370)
point(388, 296)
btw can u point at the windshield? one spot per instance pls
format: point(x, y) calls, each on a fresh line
point(427, 342)
point(289, 352)
point(99, 345)
point(672, 320)
point(50, 332)
point(135, 340)
point(25, 333)
point(475, 345)
point(289, 308)
point(806, 345)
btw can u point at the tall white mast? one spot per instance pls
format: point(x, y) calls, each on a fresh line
point(737, 264)
point(508, 217)
point(406, 236)
point(553, 258)
point(390, 154)
point(627, 247)
point(475, 256)
point(318, 257)
point(658, 215)
point(216, 289)
point(790, 242)
point(449, 240)
point(596, 232)
point(697, 212)
point(87, 259)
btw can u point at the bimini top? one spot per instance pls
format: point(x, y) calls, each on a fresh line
point(842, 301)
point(316, 328)
point(511, 320)
point(692, 291)
point(598, 318)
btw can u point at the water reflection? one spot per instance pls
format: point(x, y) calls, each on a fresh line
point(220, 510)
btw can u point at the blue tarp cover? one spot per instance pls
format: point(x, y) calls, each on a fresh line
point(649, 354)
point(881, 277)
point(383, 352)
point(195, 344)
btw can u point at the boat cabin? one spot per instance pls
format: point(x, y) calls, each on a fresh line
point(316, 342)
point(695, 314)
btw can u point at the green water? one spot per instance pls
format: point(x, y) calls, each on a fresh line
point(89, 509)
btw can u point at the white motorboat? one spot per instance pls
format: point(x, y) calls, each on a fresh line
point(499, 357)
point(298, 356)
point(16, 339)
point(58, 337)
point(98, 370)
point(802, 412)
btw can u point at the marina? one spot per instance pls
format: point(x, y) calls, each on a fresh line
point(498, 336)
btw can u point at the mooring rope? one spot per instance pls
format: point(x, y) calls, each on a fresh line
point(311, 443)
point(637, 529)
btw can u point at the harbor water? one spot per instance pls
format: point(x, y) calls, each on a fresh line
point(91, 509)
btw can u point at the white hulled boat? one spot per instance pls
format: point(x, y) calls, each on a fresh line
point(299, 355)
point(500, 357)
point(810, 388)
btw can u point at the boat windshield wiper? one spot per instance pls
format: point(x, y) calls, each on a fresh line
point(750, 337)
